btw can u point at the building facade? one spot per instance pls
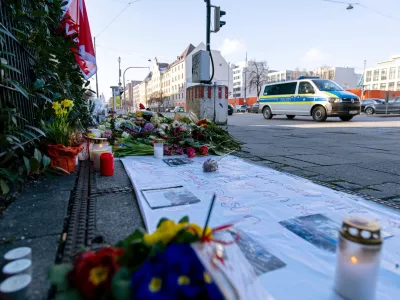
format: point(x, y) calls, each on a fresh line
point(165, 85)
point(345, 77)
point(241, 73)
point(285, 75)
point(384, 76)
point(127, 95)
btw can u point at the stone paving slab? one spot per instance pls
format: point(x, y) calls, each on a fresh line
point(118, 180)
point(117, 216)
point(348, 185)
point(43, 257)
point(291, 162)
point(36, 220)
point(386, 190)
point(323, 160)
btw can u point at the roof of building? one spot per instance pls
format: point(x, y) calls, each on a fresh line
point(181, 57)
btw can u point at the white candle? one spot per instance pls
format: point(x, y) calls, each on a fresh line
point(158, 149)
point(96, 158)
point(16, 267)
point(358, 259)
point(15, 287)
point(18, 253)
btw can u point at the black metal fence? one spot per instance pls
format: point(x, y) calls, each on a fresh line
point(16, 55)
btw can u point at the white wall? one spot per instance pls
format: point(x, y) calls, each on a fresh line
point(221, 68)
point(346, 78)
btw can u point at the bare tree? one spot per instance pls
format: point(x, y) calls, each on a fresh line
point(257, 75)
point(157, 98)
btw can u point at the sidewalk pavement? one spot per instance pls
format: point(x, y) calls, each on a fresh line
point(36, 220)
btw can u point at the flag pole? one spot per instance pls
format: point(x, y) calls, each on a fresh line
point(97, 79)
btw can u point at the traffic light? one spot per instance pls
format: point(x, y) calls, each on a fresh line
point(218, 13)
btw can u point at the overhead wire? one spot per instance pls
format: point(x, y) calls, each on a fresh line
point(116, 17)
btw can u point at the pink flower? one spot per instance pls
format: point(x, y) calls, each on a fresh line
point(190, 152)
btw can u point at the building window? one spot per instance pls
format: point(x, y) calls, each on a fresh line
point(369, 76)
point(384, 74)
point(391, 86)
point(374, 86)
point(376, 75)
point(383, 87)
point(392, 73)
point(398, 86)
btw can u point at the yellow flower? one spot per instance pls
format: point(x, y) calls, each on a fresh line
point(169, 229)
point(207, 278)
point(183, 280)
point(139, 113)
point(67, 103)
point(197, 230)
point(155, 285)
point(98, 275)
point(91, 135)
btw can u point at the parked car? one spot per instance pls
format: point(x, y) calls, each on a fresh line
point(179, 109)
point(240, 108)
point(370, 103)
point(254, 108)
point(392, 107)
point(230, 109)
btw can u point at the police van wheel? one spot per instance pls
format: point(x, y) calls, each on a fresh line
point(267, 113)
point(319, 114)
point(290, 117)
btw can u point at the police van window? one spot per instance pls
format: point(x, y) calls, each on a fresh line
point(306, 88)
point(269, 90)
point(286, 88)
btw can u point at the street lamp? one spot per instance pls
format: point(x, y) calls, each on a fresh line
point(124, 80)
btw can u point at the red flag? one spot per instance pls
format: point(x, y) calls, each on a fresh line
point(76, 24)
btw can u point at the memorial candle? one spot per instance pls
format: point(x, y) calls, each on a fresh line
point(358, 259)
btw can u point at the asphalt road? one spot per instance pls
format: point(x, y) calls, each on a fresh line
point(362, 155)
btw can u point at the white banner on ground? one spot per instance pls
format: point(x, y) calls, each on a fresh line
point(288, 225)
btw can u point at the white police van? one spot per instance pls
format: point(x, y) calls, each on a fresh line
point(308, 96)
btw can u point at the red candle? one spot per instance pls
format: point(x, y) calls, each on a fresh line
point(106, 164)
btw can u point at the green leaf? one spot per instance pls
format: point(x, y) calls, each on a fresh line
point(121, 289)
point(35, 164)
point(8, 67)
point(46, 161)
point(39, 83)
point(157, 248)
point(162, 220)
point(39, 13)
point(8, 53)
point(44, 97)
point(36, 129)
point(87, 83)
point(19, 88)
point(4, 187)
point(185, 219)
point(136, 237)
point(14, 138)
point(57, 275)
point(6, 32)
point(27, 165)
point(37, 155)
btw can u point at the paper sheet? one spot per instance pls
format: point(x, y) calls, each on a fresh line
point(264, 202)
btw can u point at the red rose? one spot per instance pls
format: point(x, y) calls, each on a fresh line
point(203, 150)
point(190, 152)
point(93, 272)
point(179, 139)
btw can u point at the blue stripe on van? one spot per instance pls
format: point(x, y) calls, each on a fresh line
point(292, 99)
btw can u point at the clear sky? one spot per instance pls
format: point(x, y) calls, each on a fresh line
point(288, 34)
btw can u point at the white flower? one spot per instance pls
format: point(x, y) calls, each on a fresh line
point(101, 127)
point(125, 135)
point(160, 131)
point(176, 123)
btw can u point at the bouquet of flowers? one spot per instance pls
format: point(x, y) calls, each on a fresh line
point(161, 265)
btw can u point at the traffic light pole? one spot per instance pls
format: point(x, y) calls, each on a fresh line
point(208, 37)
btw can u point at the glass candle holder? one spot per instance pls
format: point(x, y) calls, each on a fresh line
point(158, 148)
point(358, 259)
